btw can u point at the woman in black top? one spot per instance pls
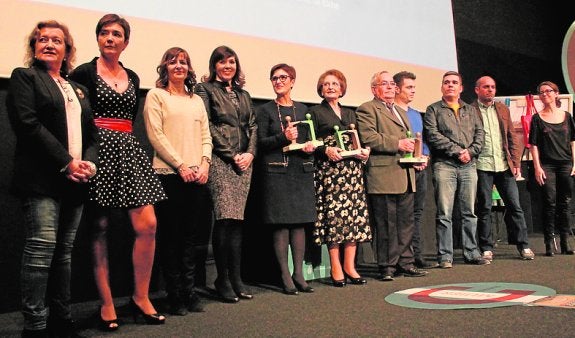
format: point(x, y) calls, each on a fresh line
point(126, 179)
point(286, 177)
point(552, 137)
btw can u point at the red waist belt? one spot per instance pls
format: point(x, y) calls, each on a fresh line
point(114, 124)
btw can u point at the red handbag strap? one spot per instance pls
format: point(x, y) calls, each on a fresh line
point(530, 106)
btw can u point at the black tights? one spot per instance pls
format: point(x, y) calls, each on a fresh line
point(227, 245)
point(294, 236)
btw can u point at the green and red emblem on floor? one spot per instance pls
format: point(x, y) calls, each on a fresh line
point(469, 295)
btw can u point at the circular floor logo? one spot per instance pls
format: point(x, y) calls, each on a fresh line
point(469, 295)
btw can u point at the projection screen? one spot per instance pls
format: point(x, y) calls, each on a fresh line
point(358, 37)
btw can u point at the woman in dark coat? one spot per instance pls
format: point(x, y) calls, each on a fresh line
point(343, 219)
point(56, 152)
point(234, 132)
point(287, 192)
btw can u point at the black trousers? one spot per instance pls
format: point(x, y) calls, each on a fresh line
point(181, 217)
point(394, 224)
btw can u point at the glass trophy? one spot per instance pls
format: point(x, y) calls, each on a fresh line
point(298, 146)
point(355, 146)
point(416, 157)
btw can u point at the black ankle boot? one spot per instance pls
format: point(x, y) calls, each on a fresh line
point(194, 303)
point(176, 306)
point(61, 328)
point(35, 333)
point(566, 248)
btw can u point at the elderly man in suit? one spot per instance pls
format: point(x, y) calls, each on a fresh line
point(390, 186)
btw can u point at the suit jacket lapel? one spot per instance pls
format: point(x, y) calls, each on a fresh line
point(54, 91)
point(389, 114)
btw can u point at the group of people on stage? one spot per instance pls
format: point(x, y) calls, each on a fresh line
point(209, 139)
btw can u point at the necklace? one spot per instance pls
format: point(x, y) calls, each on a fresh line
point(280, 114)
point(114, 77)
point(64, 85)
point(285, 156)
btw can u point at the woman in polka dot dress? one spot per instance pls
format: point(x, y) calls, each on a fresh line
point(125, 178)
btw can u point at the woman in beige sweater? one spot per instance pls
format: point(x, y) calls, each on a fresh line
point(177, 126)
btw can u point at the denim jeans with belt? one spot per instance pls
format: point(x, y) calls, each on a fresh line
point(452, 181)
point(51, 225)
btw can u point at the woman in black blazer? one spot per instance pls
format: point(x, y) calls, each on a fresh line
point(56, 153)
point(286, 178)
point(343, 218)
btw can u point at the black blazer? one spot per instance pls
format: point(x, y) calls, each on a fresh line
point(324, 119)
point(37, 112)
point(285, 184)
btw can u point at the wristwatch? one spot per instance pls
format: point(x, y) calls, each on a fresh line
point(207, 159)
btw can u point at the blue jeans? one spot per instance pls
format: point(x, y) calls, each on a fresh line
point(451, 182)
point(51, 226)
point(507, 187)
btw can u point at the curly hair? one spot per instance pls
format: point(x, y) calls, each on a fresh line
point(162, 69)
point(340, 77)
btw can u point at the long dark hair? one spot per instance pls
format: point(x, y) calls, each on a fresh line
point(169, 55)
point(221, 53)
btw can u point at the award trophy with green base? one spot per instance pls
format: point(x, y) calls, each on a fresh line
point(416, 157)
point(355, 146)
point(298, 146)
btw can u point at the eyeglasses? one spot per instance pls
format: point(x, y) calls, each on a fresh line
point(282, 78)
point(385, 84)
point(546, 91)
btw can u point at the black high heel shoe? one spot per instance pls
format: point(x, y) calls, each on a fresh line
point(244, 295)
point(355, 281)
point(301, 288)
point(241, 291)
point(338, 283)
point(225, 293)
point(150, 319)
point(290, 291)
point(107, 325)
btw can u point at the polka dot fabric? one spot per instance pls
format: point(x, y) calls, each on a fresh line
point(125, 176)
